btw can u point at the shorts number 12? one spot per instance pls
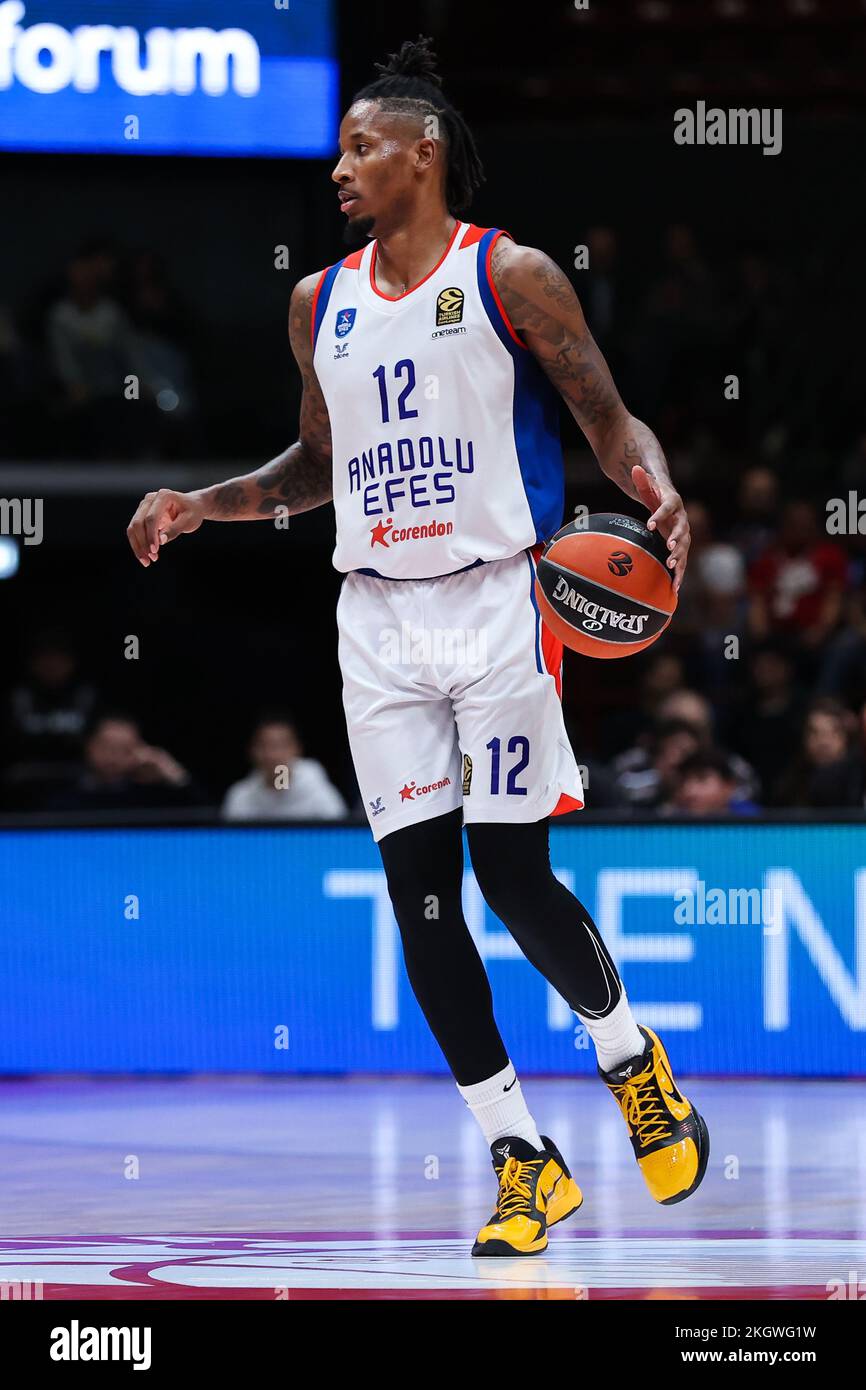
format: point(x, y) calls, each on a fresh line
point(518, 744)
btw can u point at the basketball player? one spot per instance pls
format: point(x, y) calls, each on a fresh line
point(431, 358)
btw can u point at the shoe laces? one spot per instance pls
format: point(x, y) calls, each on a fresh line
point(644, 1109)
point(515, 1190)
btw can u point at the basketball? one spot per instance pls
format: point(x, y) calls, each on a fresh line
point(603, 586)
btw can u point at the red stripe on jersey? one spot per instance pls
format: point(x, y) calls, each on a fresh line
point(494, 291)
point(551, 655)
point(353, 262)
point(473, 235)
point(313, 307)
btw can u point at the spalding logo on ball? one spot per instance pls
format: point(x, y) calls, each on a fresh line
point(603, 586)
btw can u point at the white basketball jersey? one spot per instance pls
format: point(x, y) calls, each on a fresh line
point(445, 430)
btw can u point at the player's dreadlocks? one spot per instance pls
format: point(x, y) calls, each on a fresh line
point(410, 84)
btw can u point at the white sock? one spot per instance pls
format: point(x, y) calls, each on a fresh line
point(500, 1109)
point(616, 1037)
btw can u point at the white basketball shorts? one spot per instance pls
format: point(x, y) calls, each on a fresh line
point(451, 688)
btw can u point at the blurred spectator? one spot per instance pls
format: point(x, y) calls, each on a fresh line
point(675, 331)
point(843, 662)
point(159, 328)
point(829, 770)
point(602, 792)
point(706, 785)
point(758, 503)
point(153, 303)
point(797, 582)
point(47, 714)
point(624, 726)
point(49, 710)
point(123, 773)
point(695, 710)
point(89, 334)
point(663, 676)
point(92, 351)
point(712, 607)
point(721, 571)
point(692, 708)
point(766, 726)
point(645, 775)
point(284, 785)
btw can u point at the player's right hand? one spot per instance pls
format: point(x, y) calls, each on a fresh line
point(160, 518)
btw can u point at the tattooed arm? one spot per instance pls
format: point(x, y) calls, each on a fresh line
point(544, 310)
point(298, 479)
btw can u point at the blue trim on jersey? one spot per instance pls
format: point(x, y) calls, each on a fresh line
point(536, 417)
point(324, 296)
point(538, 660)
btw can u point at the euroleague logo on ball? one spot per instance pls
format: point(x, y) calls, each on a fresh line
point(620, 563)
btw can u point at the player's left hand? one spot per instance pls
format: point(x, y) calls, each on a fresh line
point(668, 517)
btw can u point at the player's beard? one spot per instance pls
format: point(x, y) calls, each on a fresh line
point(356, 232)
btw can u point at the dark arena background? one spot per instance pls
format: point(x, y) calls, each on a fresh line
point(215, 1082)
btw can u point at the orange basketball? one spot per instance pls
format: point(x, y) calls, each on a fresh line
point(603, 586)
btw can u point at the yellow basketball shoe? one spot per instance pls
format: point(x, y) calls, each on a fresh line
point(536, 1190)
point(671, 1142)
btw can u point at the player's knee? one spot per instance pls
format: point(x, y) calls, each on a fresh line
point(417, 891)
point(516, 887)
point(512, 891)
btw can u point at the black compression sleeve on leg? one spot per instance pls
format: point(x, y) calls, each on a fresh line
point(424, 868)
point(550, 925)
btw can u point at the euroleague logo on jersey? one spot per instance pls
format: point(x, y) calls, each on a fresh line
point(449, 312)
point(449, 306)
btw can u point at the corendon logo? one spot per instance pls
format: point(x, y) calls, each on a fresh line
point(409, 791)
point(386, 534)
point(47, 57)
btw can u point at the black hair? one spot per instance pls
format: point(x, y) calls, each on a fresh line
point(775, 645)
point(669, 728)
point(709, 760)
point(409, 84)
